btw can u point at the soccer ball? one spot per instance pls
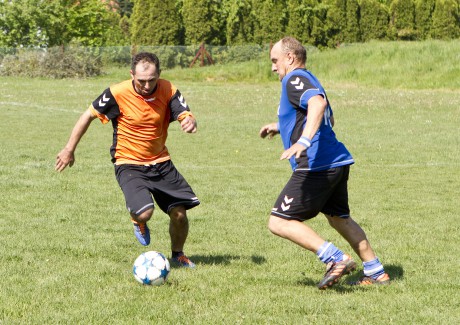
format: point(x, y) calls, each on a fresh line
point(151, 268)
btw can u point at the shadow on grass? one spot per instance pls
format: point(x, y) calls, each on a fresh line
point(338, 288)
point(222, 259)
point(396, 273)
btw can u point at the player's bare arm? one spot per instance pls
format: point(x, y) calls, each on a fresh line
point(66, 156)
point(316, 107)
point(269, 130)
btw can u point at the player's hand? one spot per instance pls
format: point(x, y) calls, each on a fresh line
point(188, 124)
point(268, 130)
point(64, 158)
point(296, 149)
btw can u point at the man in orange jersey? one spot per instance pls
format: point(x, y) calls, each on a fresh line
point(141, 110)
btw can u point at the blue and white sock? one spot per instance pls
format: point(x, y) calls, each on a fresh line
point(329, 253)
point(373, 268)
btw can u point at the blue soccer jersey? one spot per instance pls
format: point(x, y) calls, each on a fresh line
point(326, 151)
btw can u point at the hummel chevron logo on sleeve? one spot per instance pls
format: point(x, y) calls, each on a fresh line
point(103, 101)
point(297, 83)
point(182, 101)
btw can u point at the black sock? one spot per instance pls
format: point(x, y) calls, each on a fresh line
point(177, 254)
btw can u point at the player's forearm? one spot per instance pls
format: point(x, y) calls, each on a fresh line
point(314, 121)
point(310, 131)
point(79, 130)
point(316, 109)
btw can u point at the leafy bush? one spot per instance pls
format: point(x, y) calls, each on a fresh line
point(70, 63)
point(82, 62)
point(56, 62)
point(4, 51)
point(24, 63)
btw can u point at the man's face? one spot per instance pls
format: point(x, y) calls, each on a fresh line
point(282, 63)
point(145, 78)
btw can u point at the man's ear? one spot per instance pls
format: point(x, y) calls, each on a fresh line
point(291, 57)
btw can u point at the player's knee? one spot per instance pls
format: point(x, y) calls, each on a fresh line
point(275, 224)
point(336, 221)
point(143, 216)
point(330, 219)
point(178, 214)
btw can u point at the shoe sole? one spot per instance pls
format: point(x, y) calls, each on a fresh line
point(329, 281)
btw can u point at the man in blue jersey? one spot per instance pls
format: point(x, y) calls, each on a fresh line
point(320, 165)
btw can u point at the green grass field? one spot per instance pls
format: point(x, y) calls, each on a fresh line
point(66, 241)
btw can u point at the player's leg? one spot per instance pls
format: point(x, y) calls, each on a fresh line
point(174, 196)
point(337, 263)
point(295, 231)
point(295, 204)
point(354, 235)
point(141, 230)
point(337, 213)
point(178, 228)
point(138, 199)
point(178, 231)
point(301, 199)
point(374, 272)
point(143, 217)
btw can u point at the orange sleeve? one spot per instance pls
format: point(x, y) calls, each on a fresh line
point(103, 118)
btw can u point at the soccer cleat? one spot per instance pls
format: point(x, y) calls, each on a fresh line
point(142, 232)
point(335, 270)
point(367, 280)
point(183, 261)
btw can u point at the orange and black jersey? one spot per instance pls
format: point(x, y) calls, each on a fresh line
point(140, 123)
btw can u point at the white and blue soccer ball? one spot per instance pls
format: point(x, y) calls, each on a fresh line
point(151, 268)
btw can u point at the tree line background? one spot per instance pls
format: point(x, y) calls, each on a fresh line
point(320, 23)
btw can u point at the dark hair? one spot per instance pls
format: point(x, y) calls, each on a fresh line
point(145, 57)
point(290, 44)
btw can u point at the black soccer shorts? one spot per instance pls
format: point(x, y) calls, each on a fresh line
point(308, 193)
point(162, 181)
